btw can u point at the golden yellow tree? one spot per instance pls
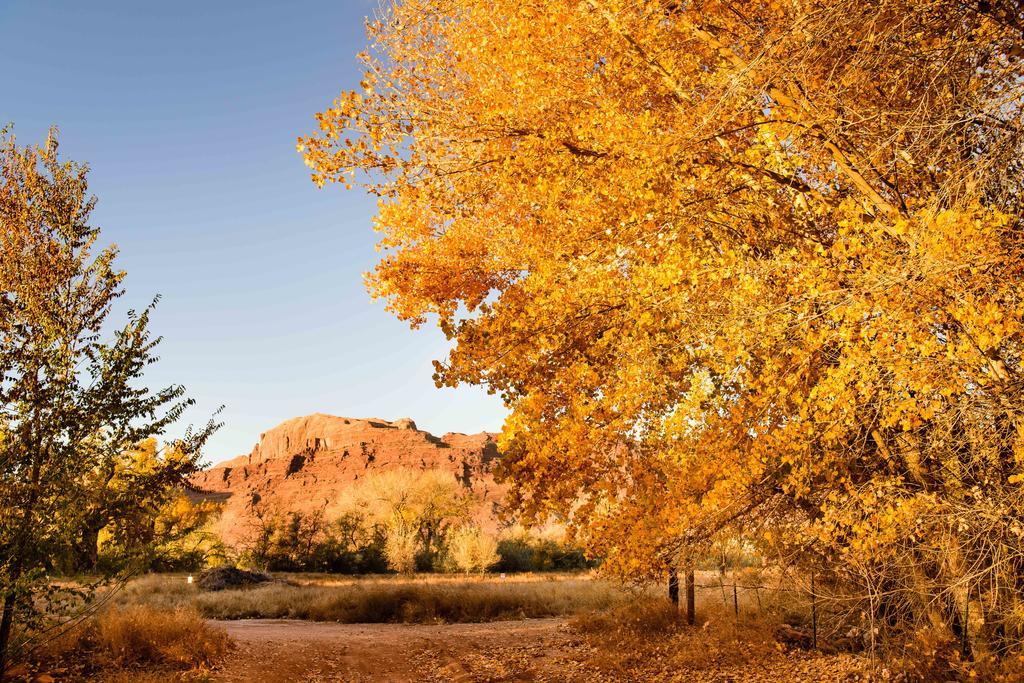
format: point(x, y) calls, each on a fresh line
point(417, 508)
point(472, 549)
point(735, 267)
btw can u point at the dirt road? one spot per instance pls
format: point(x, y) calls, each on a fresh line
point(271, 650)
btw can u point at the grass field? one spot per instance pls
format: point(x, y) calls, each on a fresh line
point(387, 599)
point(155, 629)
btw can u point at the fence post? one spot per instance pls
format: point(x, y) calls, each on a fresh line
point(735, 601)
point(814, 614)
point(691, 616)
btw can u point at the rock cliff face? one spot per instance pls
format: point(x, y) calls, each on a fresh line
point(306, 463)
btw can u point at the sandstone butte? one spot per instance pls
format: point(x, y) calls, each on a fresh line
point(305, 464)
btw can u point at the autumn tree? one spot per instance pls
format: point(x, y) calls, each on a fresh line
point(472, 549)
point(416, 508)
point(72, 403)
point(181, 535)
point(736, 268)
point(133, 502)
point(284, 541)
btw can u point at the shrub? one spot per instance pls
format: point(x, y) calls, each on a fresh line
point(472, 549)
point(133, 637)
point(524, 553)
point(221, 578)
point(641, 617)
point(401, 549)
point(139, 635)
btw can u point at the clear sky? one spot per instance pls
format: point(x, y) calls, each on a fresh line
point(188, 112)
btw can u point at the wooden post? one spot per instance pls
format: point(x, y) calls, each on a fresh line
point(673, 586)
point(814, 615)
point(735, 601)
point(691, 615)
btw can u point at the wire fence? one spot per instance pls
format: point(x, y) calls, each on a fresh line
point(731, 591)
point(830, 612)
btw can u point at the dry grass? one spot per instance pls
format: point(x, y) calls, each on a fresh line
point(429, 599)
point(648, 640)
point(616, 635)
point(140, 635)
point(137, 643)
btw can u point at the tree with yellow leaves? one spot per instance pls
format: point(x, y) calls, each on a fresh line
point(472, 549)
point(736, 268)
point(134, 509)
point(416, 508)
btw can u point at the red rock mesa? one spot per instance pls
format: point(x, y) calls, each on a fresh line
point(306, 463)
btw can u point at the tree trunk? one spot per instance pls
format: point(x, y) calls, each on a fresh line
point(673, 586)
point(16, 571)
point(21, 547)
point(87, 550)
point(6, 622)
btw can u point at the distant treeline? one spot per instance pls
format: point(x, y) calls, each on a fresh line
point(350, 545)
point(399, 521)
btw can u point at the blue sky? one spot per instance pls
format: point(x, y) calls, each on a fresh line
point(188, 113)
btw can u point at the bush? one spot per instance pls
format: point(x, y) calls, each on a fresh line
point(221, 578)
point(135, 637)
point(419, 599)
point(401, 549)
point(644, 616)
point(139, 636)
point(648, 640)
point(527, 554)
point(472, 549)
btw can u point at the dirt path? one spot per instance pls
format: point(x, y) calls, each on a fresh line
point(272, 650)
point(285, 650)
